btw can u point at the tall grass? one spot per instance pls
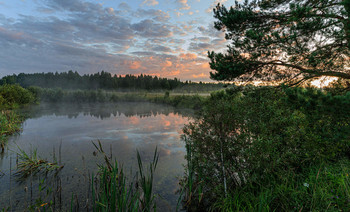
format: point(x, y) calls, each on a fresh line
point(321, 188)
point(191, 192)
point(146, 182)
point(112, 190)
point(10, 123)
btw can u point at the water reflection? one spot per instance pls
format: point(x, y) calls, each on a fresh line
point(121, 128)
point(104, 110)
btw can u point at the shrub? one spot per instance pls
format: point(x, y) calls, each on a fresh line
point(15, 95)
point(249, 136)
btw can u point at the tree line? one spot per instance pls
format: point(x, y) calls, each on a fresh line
point(100, 80)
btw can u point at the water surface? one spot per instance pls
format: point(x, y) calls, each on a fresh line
point(65, 133)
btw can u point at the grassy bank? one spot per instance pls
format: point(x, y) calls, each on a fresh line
point(12, 97)
point(268, 149)
point(10, 123)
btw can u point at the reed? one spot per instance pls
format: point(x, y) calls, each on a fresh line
point(147, 198)
point(31, 164)
point(112, 190)
point(191, 191)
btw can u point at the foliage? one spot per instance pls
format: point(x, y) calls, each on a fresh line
point(11, 96)
point(14, 95)
point(247, 137)
point(274, 40)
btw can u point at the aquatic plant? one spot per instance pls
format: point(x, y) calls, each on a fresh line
point(191, 191)
point(31, 164)
point(113, 191)
point(146, 182)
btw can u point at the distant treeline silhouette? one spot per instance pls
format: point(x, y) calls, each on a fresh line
point(100, 80)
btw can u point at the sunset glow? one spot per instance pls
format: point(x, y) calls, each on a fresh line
point(167, 38)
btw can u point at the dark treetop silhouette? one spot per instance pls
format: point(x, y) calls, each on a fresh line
point(284, 40)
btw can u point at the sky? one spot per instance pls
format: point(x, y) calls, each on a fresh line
point(166, 38)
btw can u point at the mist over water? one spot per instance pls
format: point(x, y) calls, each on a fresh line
point(66, 132)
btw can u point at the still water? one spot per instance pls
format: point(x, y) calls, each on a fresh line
point(65, 133)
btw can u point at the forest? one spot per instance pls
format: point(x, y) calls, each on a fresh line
point(100, 80)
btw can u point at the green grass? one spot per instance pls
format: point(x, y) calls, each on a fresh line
point(10, 123)
point(322, 188)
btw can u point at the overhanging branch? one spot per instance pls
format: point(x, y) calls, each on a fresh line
point(314, 72)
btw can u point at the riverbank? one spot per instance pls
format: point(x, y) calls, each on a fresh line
point(179, 100)
point(12, 97)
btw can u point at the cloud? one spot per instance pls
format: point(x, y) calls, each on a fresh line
point(205, 65)
point(200, 47)
point(219, 41)
point(157, 15)
point(160, 48)
point(178, 14)
point(72, 5)
point(110, 10)
point(149, 28)
point(134, 65)
point(211, 31)
point(124, 6)
point(210, 9)
point(184, 5)
point(188, 56)
point(20, 38)
point(201, 39)
point(150, 2)
point(89, 37)
point(167, 64)
point(188, 28)
point(201, 75)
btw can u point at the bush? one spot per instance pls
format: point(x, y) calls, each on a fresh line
point(14, 95)
point(250, 136)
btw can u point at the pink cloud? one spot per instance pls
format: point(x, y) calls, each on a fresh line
point(201, 75)
point(187, 56)
point(134, 65)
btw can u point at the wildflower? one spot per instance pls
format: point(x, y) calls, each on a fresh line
point(306, 185)
point(43, 204)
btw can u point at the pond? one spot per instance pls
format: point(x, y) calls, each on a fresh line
point(64, 133)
